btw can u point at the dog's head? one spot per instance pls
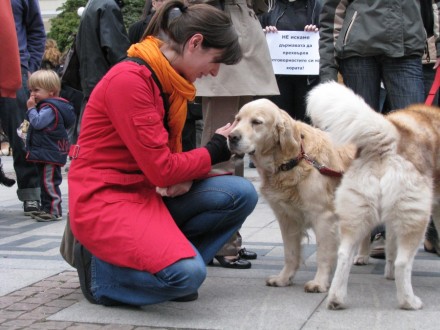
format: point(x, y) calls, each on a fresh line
point(260, 127)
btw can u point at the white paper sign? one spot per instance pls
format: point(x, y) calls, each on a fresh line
point(294, 52)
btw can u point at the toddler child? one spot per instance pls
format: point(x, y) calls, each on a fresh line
point(47, 142)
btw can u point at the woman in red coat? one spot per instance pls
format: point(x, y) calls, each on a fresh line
point(148, 216)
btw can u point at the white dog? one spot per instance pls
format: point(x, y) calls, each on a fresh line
point(393, 179)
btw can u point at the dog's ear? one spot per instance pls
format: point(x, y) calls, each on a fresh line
point(285, 130)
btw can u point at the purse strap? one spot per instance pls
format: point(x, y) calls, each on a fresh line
point(434, 88)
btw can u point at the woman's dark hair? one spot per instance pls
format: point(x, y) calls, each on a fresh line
point(175, 24)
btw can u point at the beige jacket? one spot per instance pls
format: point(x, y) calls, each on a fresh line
point(253, 75)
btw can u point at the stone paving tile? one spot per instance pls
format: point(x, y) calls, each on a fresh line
point(29, 307)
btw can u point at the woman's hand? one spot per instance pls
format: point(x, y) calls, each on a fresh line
point(225, 130)
point(175, 190)
point(311, 28)
point(270, 29)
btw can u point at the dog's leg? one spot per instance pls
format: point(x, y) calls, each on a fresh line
point(338, 288)
point(363, 255)
point(292, 235)
point(408, 241)
point(327, 247)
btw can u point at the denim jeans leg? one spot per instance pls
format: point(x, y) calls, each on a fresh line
point(403, 80)
point(212, 211)
point(113, 285)
point(363, 76)
point(13, 112)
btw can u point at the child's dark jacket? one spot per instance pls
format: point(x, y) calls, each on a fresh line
point(51, 144)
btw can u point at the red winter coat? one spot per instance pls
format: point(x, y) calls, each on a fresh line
point(123, 156)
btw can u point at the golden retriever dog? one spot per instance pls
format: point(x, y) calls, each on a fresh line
point(289, 156)
point(394, 179)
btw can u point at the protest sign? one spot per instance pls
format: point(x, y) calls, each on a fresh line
point(294, 52)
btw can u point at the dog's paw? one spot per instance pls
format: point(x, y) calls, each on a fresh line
point(361, 260)
point(334, 303)
point(315, 287)
point(414, 303)
point(276, 280)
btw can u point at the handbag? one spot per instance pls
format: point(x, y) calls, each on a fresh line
point(70, 73)
point(68, 244)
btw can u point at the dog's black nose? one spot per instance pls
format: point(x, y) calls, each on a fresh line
point(234, 137)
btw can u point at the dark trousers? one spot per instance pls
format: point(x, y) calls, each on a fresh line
point(50, 188)
point(12, 114)
point(292, 98)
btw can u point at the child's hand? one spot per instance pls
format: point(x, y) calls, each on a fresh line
point(31, 102)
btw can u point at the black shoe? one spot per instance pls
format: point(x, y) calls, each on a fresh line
point(189, 297)
point(30, 207)
point(236, 263)
point(83, 260)
point(245, 254)
point(4, 180)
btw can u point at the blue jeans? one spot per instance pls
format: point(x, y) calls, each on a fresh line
point(12, 114)
point(208, 215)
point(402, 78)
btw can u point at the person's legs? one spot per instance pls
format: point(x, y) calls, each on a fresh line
point(362, 75)
point(292, 98)
point(223, 203)
point(113, 285)
point(50, 180)
point(12, 114)
point(403, 80)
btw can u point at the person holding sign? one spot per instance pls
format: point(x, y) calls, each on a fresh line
point(285, 15)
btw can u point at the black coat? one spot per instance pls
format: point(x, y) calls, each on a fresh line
point(101, 41)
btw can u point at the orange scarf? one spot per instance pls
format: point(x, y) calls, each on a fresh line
point(180, 90)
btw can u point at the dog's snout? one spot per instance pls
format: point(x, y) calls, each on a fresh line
point(234, 137)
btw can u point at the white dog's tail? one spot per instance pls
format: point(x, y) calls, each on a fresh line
point(345, 115)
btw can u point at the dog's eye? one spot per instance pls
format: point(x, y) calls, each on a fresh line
point(256, 122)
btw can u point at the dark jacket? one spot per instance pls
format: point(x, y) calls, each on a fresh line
point(278, 15)
point(362, 28)
point(30, 33)
point(51, 144)
point(101, 41)
point(137, 29)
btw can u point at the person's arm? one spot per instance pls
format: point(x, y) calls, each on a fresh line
point(113, 35)
point(135, 109)
point(36, 35)
point(41, 119)
point(331, 18)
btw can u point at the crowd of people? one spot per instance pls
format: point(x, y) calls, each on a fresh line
point(131, 177)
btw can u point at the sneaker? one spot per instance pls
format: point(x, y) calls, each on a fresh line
point(377, 249)
point(4, 180)
point(46, 217)
point(31, 206)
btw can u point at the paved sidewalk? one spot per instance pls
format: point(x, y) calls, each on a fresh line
point(38, 290)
